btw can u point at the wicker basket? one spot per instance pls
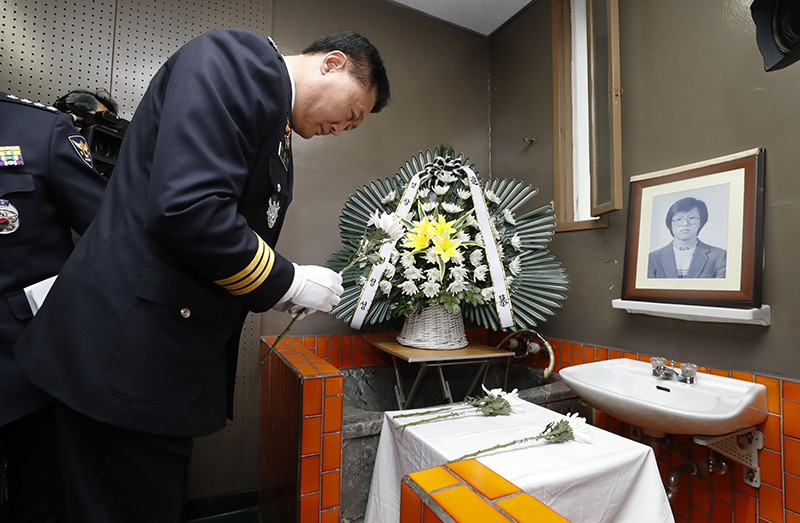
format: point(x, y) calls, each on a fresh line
point(433, 328)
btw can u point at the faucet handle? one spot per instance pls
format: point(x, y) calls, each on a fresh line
point(657, 362)
point(689, 370)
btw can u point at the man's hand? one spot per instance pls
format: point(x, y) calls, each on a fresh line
point(314, 288)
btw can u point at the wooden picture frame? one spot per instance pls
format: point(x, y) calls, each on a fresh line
point(695, 233)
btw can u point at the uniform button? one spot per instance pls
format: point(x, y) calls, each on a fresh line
point(279, 187)
point(185, 312)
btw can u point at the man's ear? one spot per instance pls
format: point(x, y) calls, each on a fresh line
point(333, 61)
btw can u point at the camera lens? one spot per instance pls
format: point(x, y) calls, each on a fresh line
point(101, 149)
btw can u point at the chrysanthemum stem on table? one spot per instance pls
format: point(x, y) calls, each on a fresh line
point(426, 420)
point(424, 413)
point(496, 403)
point(572, 428)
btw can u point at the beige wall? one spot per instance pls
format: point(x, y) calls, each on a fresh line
point(694, 89)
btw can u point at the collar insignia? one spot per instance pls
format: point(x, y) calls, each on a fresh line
point(285, 146)
point(10, 155)
point(82, 148)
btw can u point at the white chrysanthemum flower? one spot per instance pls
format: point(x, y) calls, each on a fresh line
point(459, 272)
point(463, 194)
point(385, 286)
point(472, 222)
point(389, 197)
point(516, 241)
point(430, 288)
point(515, 266)
point(491, 196)
point(413, 273)
point(476, 258)
point(388, 271)
point(480, 273)
point(441, 189)
point(447, 177)
point(424, 192)
point(407, 261)
point(512, 397)
point(509, 281)
point(462, 236)
point(395, 257)
point(430, 256)
point(479, 238)
point(457, 287)
point(451, 208)
point(362, 280)
point(509, 217)
point(487, 293)
point(428, 206)
point(389, 223)
point(433, 274)
point(580, 430)
point(408, 287)
point(458, 257)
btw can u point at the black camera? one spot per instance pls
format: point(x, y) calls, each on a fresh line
point(103, 129)
point(104, 132)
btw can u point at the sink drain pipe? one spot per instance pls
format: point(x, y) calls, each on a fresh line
point(715, 464)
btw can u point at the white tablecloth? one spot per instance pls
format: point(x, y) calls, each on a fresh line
point(612, 479)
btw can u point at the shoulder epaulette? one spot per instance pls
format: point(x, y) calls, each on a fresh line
point(4, 97)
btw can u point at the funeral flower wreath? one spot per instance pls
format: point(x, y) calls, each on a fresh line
point(437, 234)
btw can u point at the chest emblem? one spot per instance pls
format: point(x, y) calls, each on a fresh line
point(273, 209)
point(10, 155)
point(9, 217)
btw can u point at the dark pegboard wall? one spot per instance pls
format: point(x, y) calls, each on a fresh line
point(149, 31)
point(49, 47)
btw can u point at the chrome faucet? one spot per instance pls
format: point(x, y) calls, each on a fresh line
point(661, 369)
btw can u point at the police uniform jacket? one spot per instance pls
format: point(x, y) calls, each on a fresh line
point(141, 329)
point(47, 186)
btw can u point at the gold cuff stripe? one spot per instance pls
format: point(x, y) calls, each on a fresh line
point(254, 274)
point(262, 245)
point(264, 275)
point(265, 260)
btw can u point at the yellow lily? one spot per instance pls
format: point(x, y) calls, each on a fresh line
point(445, 247)
point(441, 226)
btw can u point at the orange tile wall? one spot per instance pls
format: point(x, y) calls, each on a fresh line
point(301, 437)
point(719, 499)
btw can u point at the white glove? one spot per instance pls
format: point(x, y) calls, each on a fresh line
point(314, 288)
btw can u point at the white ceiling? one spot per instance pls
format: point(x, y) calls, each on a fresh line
point(479, 16)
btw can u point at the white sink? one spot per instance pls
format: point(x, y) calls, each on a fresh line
point(627, 390)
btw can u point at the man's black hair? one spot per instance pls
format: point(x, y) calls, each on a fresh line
point(81, 101)
point(367, 67)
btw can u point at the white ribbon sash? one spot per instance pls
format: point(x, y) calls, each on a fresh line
point(375, 275)
point(502, 301)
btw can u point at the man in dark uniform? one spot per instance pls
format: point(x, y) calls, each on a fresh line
point(47, 187)
point(138, 338)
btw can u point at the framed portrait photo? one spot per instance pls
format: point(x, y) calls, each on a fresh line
point(695, 233)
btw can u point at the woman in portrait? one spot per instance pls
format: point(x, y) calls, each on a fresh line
point(686, 256)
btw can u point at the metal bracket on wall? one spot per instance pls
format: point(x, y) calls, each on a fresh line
point(742, 447)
